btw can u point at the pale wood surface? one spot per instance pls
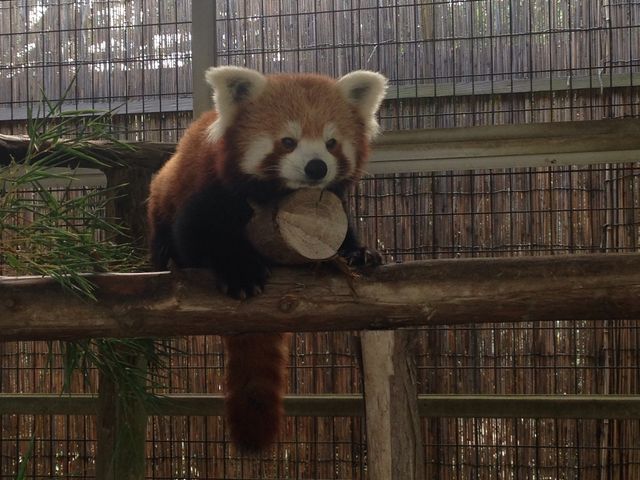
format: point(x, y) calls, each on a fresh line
point(307, 225)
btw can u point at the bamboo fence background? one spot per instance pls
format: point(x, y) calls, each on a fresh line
point(451, 63)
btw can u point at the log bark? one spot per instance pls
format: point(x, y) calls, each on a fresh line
point(587, 287)
point(142, 154)
point(307, 225)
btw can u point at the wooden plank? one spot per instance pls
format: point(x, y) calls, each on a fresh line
point(119, 106)
point(528, 145)
point(394, 437)
point(204, 31)
point(469, 148)
point(623, 407)
point(445, 291)
point(556, 85)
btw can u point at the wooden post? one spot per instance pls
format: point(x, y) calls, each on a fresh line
point(203, 51)
point(122, 421)
point(394, 436)
point(121, 426)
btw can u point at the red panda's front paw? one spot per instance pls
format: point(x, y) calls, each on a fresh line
point(244, 281)
point(363, 257)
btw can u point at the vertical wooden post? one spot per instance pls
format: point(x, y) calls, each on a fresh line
point(394, 436)
point(122, 422)
point(203, 51)
point(122, 434)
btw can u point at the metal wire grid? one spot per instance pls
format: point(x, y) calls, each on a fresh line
point(454, 62)
point(501, 212)
point(382, 37)
point(544, 210)
point(133, 57)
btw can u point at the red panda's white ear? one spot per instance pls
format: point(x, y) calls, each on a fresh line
point(365, 90)
point(232, 86)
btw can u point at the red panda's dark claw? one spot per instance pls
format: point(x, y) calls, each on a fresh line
point(257, 290)
point(363, 257)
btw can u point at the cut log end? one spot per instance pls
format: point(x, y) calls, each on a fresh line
point(308, 225)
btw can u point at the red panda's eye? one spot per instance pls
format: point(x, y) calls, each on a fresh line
point(289, 143)
point(331, 143)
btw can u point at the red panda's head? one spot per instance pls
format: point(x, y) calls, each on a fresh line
point(302, 130)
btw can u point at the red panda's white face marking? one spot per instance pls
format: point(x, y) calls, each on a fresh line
point(255, 154)
point(303, 161)
point(304, 130)
point(309, 165)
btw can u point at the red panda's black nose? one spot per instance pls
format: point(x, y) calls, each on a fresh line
point(316, 169)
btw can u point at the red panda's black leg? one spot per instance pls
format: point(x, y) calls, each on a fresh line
point(161, 246)
point(208, 232)
point(356, 254)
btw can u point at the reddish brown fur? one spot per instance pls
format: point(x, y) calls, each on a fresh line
point(255, 374)
point(313, 100)
point(191, 166)
point(255, 369)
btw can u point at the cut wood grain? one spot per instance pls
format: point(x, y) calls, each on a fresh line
point(307, 225)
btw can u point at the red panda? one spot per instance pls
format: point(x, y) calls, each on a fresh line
point(267, 136)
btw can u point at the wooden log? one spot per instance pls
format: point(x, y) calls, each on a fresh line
point(307, 225)
point(586, 287)
point(394, 436)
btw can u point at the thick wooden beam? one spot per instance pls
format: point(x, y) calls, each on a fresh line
point(394, 436)
point(527, 145)
point(587, 287)
point(443, 149)
point(432, 406)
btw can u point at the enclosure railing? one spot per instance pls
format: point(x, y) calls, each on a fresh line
point(587, 287)
point(396, 297)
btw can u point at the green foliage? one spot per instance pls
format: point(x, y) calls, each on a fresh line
point(59, 232)
point(65, 234)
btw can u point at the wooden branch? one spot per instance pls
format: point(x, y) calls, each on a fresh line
point(433, 406)
point(588, 287)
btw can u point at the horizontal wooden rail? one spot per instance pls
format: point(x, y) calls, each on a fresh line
point(459, 406)
point(570, 287)
point(169, 104)
point(443, 149)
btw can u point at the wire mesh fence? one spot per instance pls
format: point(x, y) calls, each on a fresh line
point(451, 63)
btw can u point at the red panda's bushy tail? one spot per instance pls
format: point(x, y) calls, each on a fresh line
point(255, 382)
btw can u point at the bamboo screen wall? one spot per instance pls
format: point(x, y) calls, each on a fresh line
point(451, 63)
